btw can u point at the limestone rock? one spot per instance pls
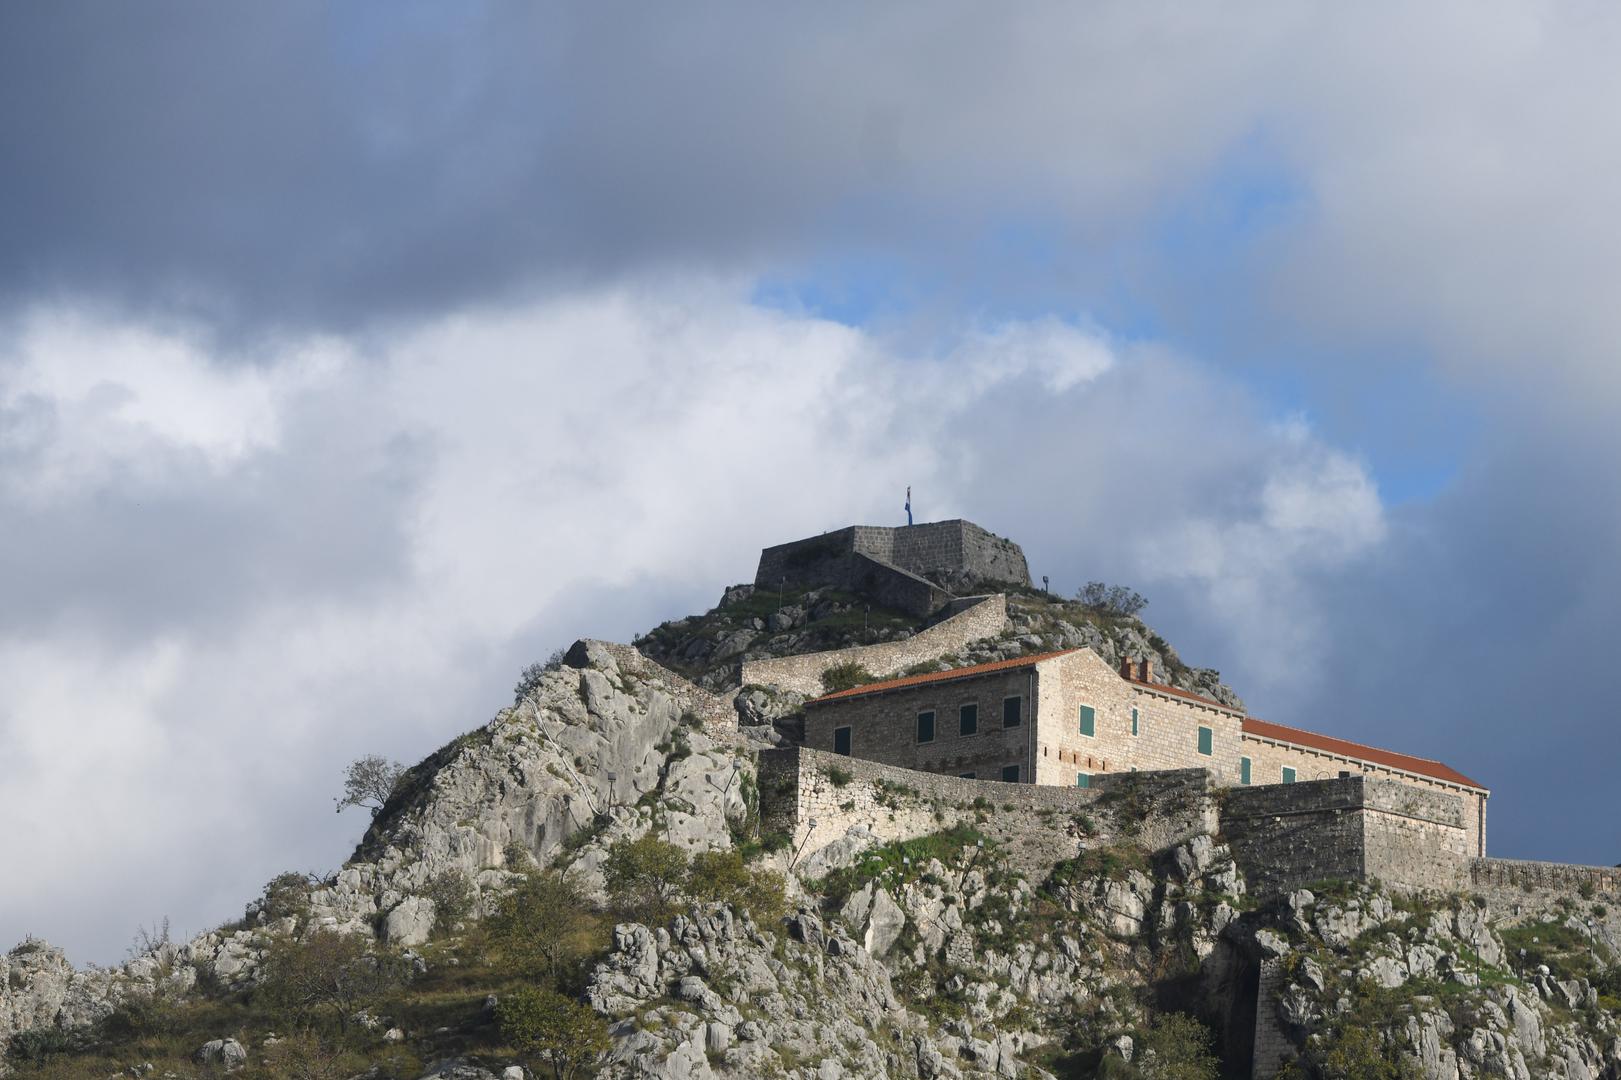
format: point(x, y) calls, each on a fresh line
point(225, 1053)
point(411, 922)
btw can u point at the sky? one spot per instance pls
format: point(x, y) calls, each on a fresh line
point(354, 356)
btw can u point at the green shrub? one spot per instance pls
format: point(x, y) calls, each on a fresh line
point(722, 876)
point(644, 876)
point(452, 896)
point(839, 777)
point(544, 927)
point(1178, 1048)
point(543, 1025)
point(328, 975)
point(287, 894)
point(304, 1056)
point(845, 676)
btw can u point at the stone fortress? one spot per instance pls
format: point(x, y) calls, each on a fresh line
point(1019, 746)
point(1298, 806)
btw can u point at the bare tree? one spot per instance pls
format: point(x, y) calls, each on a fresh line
point(369, 782)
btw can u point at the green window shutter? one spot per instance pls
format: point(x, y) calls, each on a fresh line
point(1243, 770)
point(1288, 775)
point(1010, 774)
point(841, 741)
point(1012, 711)
point(1134, 721)
point(1089, 721)
point(1206, 741)
point(925, 726)
point(1083, 780)
point(968, 720)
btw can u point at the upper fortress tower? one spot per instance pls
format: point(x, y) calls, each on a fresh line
point(913, 568)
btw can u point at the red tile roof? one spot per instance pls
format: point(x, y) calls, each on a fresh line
point(942, 676)
point(1263, 729)
point(1178, 692)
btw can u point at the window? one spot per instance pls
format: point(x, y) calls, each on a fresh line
point(1010, 773)
point(967, 776)
point(1345, 773)
point(1288, 775)
point(1012, 711)
point(1089, 721)
point(841, 741)
point(1206, 738)
point(1243, 770)
point(1134, 721)
point(968, 720)
point(1083, 779)
point(925, 726)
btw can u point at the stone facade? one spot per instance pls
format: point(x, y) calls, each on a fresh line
point(1285, 836)
point(1164, 734)
point(981, 617)
point(1134, 724)
point(818, 799)
point(914, 568)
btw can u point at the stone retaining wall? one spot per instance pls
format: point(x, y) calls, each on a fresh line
point(1036, 825)
point(803, 674)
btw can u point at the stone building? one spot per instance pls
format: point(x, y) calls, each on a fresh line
point(913, 568)
point(1063, 718)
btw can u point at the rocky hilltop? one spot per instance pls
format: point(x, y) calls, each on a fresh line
point(603, 839)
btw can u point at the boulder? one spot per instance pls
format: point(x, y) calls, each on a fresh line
point(411, 922)
point(225, 1053)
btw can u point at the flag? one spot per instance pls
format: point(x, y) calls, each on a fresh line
point(908, 504)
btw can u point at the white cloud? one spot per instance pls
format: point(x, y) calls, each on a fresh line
point(586, 465)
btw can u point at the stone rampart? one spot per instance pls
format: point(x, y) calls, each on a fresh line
point(1356, 828)
point(803, 674)
point(831, 806)
point(1510, 884)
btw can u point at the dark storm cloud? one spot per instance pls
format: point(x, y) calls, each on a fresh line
point(297, 164)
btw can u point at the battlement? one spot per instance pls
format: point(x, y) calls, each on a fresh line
point(913, 568)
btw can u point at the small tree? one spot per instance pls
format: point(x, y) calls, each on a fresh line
point(1111, 599)
point(543, 1024)
point(644, 875)
point(544, 927)
point(529, 678)
point(369, 782)
point(327, 973)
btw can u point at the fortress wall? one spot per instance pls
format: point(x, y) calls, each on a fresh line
point(1273, 1046)
point(1521, 889)
point(1269, 757)
point(815, 560)
point(803, 674)
point(1285, 836)
point(1036, 825)
point(991, 558)
point(891, 587)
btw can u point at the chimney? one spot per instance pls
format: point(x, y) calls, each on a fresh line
point(1146, 672)
point(1127, 668)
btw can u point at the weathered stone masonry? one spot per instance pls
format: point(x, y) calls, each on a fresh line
point(799, 786)
point(981, 618)
point(894, 566)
